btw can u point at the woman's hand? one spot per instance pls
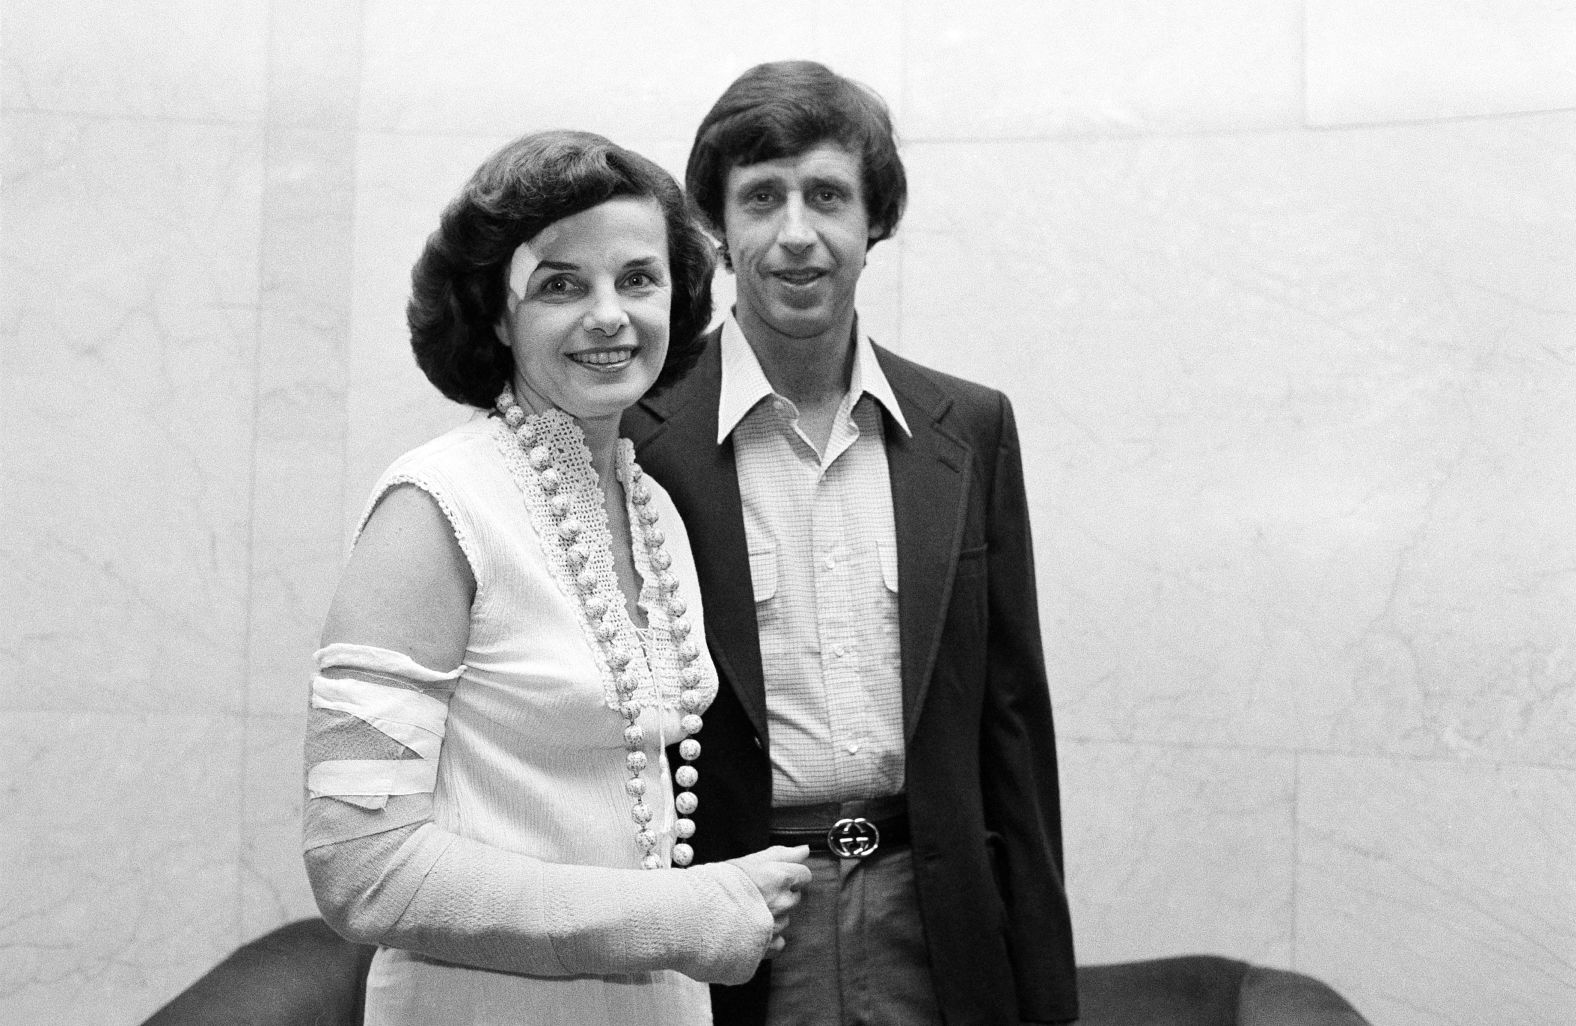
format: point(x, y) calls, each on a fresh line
point(779, 873)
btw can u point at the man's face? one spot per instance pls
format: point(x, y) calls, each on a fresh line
point(797, 232)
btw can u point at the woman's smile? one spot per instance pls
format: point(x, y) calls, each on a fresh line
point(606, 359)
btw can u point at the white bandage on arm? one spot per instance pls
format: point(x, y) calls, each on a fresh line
point(411, 718)
point(374, 731)
point(384, 873)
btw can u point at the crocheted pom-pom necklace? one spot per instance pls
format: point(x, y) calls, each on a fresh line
point(603, 608)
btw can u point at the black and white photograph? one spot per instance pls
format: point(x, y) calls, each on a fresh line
point(867, 513)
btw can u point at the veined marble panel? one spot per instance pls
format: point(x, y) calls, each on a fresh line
point(314, 63)
point(118, 841)
point(1178, 850)
point(273, 884)
point(130, 307)
point(1439, 893)
point(298, 493)
point(1423, 59)
point(1297, 414)
point(865, 40)
point(1015, 69)
point(171, 59)
point(402, 186)
point(503, 68)
point(881, 294)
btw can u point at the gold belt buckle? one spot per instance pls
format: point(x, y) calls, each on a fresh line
point(853, 838)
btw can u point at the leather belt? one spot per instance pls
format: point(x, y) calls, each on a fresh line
point(848, 830)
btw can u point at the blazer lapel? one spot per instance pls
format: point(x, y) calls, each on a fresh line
point(930, 473)
point(704, 484)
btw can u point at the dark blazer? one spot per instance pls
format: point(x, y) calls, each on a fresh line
point(980, 749)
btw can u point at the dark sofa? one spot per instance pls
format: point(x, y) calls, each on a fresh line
point(304, 974)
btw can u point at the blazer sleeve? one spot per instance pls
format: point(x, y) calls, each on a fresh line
point(1021, 792)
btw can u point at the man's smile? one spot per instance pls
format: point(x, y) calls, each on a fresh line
point(799, 277)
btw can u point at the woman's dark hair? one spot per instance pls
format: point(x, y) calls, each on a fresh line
point(458, 289)
point(783, 109)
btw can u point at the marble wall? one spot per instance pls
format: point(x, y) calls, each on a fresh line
point(1284, 294)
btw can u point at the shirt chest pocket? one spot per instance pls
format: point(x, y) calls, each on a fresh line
point(763, 572)
point(888, 555)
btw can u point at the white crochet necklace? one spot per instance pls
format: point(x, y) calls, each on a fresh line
point(602, 604)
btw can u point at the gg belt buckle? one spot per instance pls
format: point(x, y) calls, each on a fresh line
point(853, 838)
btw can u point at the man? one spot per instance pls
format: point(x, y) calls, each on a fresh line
point(862, 539)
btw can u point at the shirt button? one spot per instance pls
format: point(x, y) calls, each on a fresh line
point(839, 650)
point(831, 561)
point(853, 748)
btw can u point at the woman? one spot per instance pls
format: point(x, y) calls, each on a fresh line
point(517, 636)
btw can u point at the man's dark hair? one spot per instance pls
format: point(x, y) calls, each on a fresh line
point(458, 287)
point(783, 109)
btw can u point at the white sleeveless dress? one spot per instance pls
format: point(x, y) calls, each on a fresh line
point(533, 760)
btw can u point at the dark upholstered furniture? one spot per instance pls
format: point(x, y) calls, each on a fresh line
point(1203, 990)
point(303, 974)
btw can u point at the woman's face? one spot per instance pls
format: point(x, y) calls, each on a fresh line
point(588, 310)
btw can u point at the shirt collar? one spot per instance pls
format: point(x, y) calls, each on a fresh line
point(744, 383)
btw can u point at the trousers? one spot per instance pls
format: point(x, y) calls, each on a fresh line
point(855, 952)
